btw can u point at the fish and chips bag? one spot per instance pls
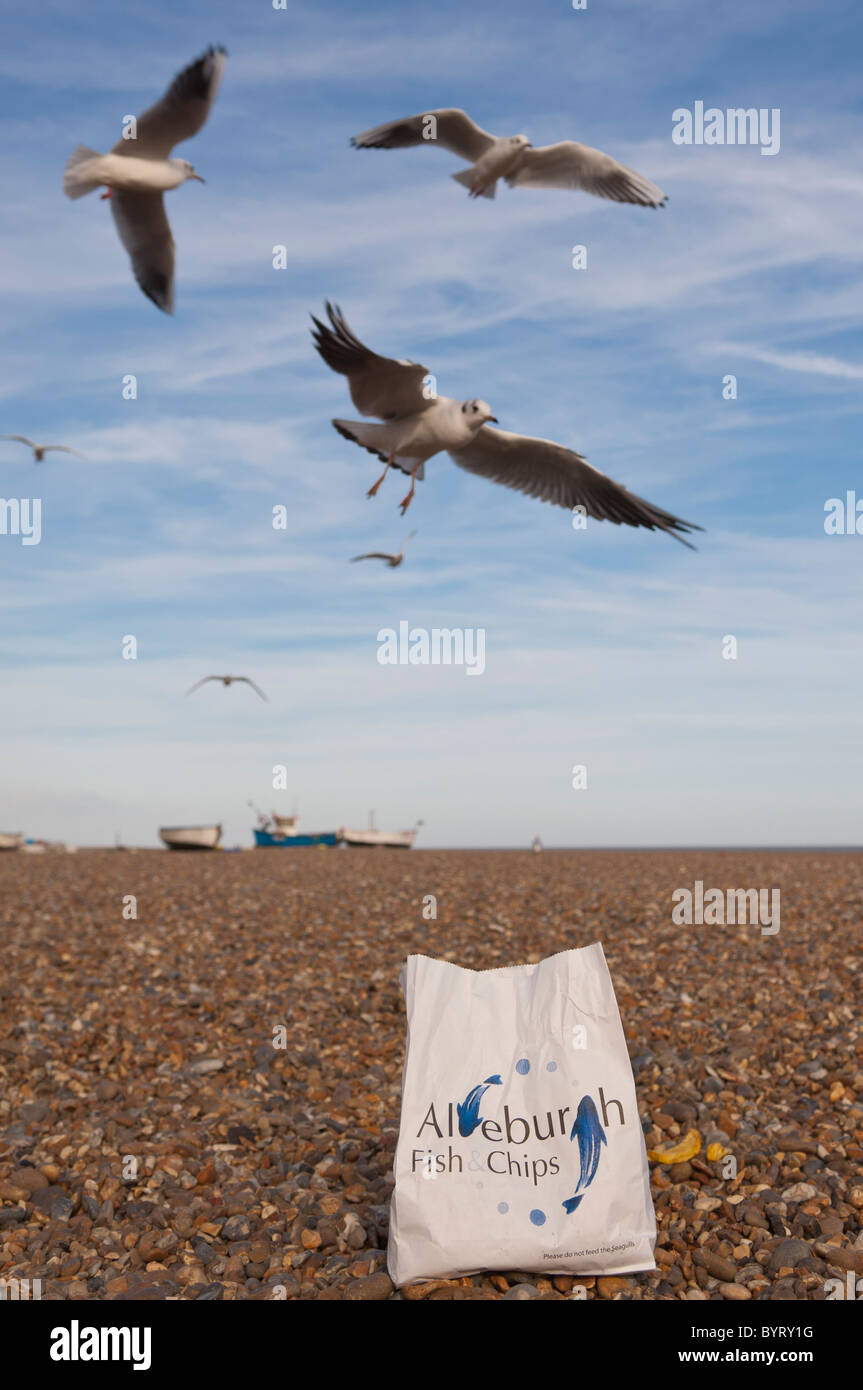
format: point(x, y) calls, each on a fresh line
point(520, 1146)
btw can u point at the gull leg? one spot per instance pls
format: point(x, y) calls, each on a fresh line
point(107, 194)
point(374, 487)
point(406, 501)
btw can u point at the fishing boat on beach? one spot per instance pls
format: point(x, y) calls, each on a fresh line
point(274, 831)
point(378, 839)
point(281, 832)
point(187, 837)
point(10, 841)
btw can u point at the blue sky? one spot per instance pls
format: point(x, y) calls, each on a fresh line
point(603, 647)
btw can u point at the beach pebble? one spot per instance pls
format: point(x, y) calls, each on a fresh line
point(715, 1265)
point(372, 1288)
point(610, 1286)
point(799, 1192)
point(54, 1202)
point(787, 1254)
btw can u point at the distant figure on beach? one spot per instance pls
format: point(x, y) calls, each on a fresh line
point(537, 845)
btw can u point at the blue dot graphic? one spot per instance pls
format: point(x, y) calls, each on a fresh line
point(537, 1217)
point(503, 1208)
point(523, 1067)
point(551, 1066)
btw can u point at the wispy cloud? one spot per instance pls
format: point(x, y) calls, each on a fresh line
point(810, 363)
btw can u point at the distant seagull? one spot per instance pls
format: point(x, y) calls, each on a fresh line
point(417, 426)
point(137, 172)
point(227, 680)
point(514, 158)
point(392, 560)
point(40, 450)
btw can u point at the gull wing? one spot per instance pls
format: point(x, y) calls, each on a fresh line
point(61, 449)
point(180, 113)
point(202, 681)
point(570, 165)
point(372, 555)
point(454, 130)
point(20, 439)
point(256, 688)
point(142, 223)
point(555, 474)
point(380, 386)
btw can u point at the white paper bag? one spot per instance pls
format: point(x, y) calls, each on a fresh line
point(520, 1146)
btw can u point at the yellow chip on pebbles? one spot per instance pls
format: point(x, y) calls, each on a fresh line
point(715, 1151)
point(688, 1147)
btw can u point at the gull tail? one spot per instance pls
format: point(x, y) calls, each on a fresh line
point(75, 181)
point(467, 177)
point(375, 438)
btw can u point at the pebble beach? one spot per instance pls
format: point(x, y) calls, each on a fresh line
point(155, 1144)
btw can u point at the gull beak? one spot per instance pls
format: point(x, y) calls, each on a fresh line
point(197, 178)
point(492, 420)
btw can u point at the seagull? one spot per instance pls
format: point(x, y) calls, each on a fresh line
point(514, 158)
point(226, 680)
point(137, 171)
point(40, 450)
point(392, 560)
point(418, 424)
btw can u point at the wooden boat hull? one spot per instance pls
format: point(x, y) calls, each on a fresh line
point(191, 837)
point(377, 839)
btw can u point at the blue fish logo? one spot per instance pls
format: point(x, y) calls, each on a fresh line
point(468, 1112)
point(591, 1137)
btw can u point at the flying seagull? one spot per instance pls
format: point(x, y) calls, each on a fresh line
point(227, 680)
point(137, 171)
point(40, 450)
point(392, 560)
point(514, 158)
point(416, 425)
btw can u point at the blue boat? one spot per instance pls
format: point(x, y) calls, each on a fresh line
point(280, 832)
point(265, 838)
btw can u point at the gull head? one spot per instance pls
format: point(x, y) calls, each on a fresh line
point(520, 142)
point(478, 413)
point(187, 170)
